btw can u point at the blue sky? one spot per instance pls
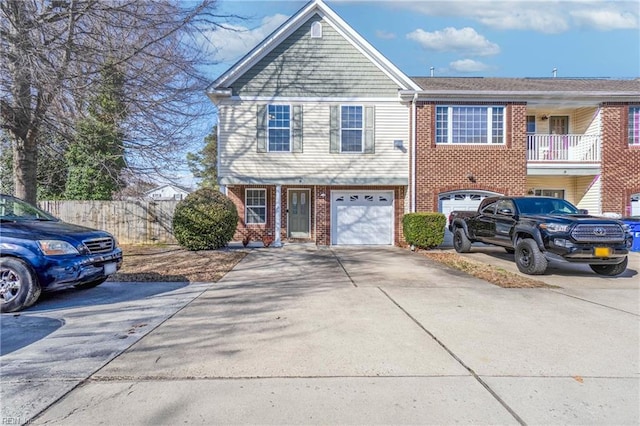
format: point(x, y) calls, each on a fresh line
point(514, 38)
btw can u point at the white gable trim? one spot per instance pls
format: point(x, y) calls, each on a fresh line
point(291, 25)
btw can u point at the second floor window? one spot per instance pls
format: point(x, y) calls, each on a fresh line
point(531, 124)
point(351, 128)
point(470, 124)
point(634, 125)
point(279, 128)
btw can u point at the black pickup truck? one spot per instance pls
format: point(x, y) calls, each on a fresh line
point(539, 229)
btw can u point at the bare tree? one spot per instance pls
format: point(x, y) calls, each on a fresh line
point(52, 53)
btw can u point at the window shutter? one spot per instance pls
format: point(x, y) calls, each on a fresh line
point(334, 133)
point(296, 128)
point(261, 128)
point(369, 125)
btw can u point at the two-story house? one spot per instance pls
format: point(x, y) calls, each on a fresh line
point(323, 139)
point(577, 139)
point(313, 139)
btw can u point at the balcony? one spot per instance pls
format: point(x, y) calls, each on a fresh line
point(555, 149)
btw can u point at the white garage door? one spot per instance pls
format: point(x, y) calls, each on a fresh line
point(461, 200)
point(362, 217)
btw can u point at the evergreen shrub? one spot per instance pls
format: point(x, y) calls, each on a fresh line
point(205, 220)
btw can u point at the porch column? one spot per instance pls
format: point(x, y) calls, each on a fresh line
point(278, 219)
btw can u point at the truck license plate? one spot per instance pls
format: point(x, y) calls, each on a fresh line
point(602, 252)
point(110, 268)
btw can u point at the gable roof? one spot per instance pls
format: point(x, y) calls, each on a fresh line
point(220, 87)
point(596, 89)
point(176, 188)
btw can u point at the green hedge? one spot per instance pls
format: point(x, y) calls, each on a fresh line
point(205, 220)
point(424, 230)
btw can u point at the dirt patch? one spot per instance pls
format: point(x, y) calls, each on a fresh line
point(173, 263)
point(492, 274)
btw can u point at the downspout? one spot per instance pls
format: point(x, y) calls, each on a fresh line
point(414, 151)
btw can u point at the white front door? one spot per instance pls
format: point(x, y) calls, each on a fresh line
point(362, 217)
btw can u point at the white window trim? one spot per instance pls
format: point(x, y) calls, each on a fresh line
point(290, 128)
point(316, 30)
point(361, 129)
point(246, 206)
point(489, 125)
point(631, 141)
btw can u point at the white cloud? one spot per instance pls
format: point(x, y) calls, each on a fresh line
point(545, 16)
point(467, 66)
point(231, 43)
point(464, 40)
point(385, 35)
point(605, 20)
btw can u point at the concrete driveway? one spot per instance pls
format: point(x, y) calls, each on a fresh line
point(350, 335)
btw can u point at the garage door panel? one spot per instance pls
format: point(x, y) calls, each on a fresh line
point(362, 218)
point(461, 200)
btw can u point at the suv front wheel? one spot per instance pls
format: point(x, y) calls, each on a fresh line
point(18, 287)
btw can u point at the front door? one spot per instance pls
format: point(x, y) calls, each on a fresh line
point(299, 219)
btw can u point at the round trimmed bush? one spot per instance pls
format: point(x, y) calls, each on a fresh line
point(205, 220)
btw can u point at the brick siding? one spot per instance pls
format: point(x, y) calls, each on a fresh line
point(620, 162)
point(320, 210)
point(442, 168)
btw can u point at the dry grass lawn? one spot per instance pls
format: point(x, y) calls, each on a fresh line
point(492, 274)
point(173, 263)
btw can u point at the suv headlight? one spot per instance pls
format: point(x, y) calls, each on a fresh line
point(555, 227)
point(56, 247)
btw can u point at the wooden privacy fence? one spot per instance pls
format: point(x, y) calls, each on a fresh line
point(131, 222)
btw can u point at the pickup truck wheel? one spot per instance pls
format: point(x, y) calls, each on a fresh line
point(610, 270)
point(18, 287)
point(529, 258)
point(91, 284)
point(460, 241)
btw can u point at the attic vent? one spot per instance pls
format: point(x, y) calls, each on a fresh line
point(316, 30)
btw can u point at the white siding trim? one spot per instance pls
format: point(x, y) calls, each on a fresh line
point(301, 99)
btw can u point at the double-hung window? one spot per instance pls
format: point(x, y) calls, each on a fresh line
point(531, 124)
point(279, 128)
point(255, 206)
point(351, 130)
point(470, 124)
point(634, 125)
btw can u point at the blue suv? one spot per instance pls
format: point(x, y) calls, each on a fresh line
point(38, 252)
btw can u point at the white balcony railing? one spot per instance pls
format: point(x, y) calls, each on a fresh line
point(563, 148)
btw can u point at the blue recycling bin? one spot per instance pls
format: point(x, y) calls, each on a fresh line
point(634, 225)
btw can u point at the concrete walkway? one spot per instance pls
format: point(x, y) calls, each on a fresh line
point(300, 335)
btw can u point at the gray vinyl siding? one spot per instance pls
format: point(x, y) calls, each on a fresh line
point(240, 162)
point(315, 67)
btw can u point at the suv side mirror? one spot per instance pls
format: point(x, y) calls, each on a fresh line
point(584, 211)
point(505, 212)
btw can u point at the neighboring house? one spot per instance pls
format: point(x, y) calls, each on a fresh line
point(313, 140)
point(317, 143)
point(167, 192)
point(577, 139)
